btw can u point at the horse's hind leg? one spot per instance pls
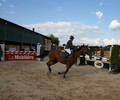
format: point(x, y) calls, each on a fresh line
point(48, 64)
point(51, 62)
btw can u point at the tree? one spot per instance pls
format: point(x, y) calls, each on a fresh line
point(115, 59)
point(1, 52)
point(54, 39)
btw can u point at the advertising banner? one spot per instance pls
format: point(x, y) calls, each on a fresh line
point(20, 56)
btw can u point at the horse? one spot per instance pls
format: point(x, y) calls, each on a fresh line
point(55, 56)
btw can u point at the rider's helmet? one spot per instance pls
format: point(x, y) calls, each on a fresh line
point(71, 37)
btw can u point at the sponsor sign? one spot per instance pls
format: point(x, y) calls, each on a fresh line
point(20, 56)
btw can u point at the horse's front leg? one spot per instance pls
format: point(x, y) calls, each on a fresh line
point(67, 69)
point(64, 74)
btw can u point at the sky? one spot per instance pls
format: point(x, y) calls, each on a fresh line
point(91, 22)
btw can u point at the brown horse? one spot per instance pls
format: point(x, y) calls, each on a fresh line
point(54, 57)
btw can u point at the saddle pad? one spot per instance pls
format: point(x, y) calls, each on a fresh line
point(64, 53)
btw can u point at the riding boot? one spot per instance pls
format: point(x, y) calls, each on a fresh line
point(65, 58)
point(71, 53)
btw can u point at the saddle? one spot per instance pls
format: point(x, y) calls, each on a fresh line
point(64, 54)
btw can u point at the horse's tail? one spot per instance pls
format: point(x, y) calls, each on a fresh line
point(43, 54)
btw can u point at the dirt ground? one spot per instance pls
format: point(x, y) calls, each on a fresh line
point(28, 80)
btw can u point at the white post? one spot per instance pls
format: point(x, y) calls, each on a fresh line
point(110, 57)
point(3, 49)
point(38, 51)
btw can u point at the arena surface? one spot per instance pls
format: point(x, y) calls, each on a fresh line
point(28, 80)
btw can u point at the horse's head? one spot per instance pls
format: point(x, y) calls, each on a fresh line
point(85, 49)
point(77, 48)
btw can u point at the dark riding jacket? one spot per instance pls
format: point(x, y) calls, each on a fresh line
point(69, 45)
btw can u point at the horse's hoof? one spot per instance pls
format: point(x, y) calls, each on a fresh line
point(59, 72)
point(50, 70)
point(64, 77)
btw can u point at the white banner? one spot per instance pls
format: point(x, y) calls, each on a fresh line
point(3, 49)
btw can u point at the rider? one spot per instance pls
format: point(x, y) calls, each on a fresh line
point(69, 46)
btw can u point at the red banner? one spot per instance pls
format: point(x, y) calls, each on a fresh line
point(20, 56)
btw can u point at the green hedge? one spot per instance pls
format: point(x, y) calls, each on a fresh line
point(115, 58)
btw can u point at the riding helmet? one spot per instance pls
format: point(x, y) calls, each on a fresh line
point(71, 37)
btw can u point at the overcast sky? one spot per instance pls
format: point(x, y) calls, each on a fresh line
point(93, 22)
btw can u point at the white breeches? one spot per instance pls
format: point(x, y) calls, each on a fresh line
point(68, 50)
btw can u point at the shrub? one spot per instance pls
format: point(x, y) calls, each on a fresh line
point(115, 59)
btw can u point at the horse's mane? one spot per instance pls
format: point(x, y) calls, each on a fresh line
point(79, 47)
